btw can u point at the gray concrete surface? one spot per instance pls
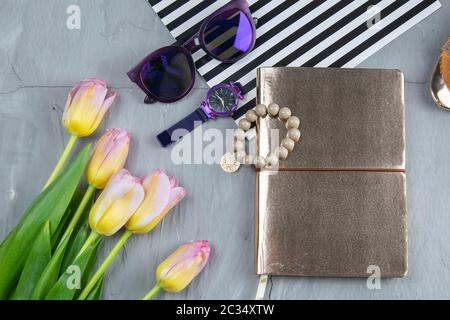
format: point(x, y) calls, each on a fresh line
point(40, 59)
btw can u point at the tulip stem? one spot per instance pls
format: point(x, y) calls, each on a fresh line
point(62, 160)
point(76, 217)
point(92, 237)
point(101, 270)
point(152, 293)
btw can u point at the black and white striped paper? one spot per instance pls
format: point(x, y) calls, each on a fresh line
point(310, 33)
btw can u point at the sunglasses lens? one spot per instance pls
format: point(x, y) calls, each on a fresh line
point(168, 75)
point(229, 35)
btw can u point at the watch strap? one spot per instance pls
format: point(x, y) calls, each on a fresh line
point(241, 88)
point(189, 123)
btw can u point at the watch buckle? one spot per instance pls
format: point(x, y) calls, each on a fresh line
point(238, 90)
point(207, 110)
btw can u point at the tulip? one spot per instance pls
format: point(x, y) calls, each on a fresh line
point(117, 203)
point(180, 268)
point(109, 156)
point(86, 105)
point(162, 193)
point(122, 196)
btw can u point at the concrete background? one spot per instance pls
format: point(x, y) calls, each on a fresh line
point(40, 60)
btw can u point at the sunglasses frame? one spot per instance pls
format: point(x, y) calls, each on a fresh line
point(186, 47)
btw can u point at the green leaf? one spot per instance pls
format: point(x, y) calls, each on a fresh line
point(97, 291)
point(50, 275)
point(90, 268)
point(71, 281)
point(75, 246)
point(81, 229)
point(73, 206)
point(50, 206)
point(37, 260)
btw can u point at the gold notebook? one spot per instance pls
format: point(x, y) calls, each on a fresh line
point(337, 206)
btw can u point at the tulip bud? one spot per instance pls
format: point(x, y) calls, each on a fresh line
point(86, 105)
point(182, 266)
point(117, 203)
point(162, 193)
point(108, 157)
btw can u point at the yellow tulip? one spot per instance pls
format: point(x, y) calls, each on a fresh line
point(162, 193)
point(109, 156)
point(182, 266)
point(86, 105)
point(117, 203)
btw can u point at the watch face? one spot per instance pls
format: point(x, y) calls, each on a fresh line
point(222, 100)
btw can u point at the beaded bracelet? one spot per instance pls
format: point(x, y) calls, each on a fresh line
point(231, 161)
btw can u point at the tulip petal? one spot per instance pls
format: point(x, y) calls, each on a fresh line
point(78, 86)
point(82, 112)
point(173, 182)
point(110, 97)
point(70, 96)
point(119, 213)
point(157, 189)
point(109, 156)
point(176, 195)
point(118, 187)
point(99, 97)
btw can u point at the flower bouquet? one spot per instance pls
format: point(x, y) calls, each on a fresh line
point(52, 252)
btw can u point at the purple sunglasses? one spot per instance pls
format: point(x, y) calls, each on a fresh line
point(168, 74)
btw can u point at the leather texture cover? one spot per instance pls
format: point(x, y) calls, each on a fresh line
point(337, 205)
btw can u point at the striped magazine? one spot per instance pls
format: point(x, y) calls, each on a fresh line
point(309, 33)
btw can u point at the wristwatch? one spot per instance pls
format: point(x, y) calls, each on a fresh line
point(221, 101)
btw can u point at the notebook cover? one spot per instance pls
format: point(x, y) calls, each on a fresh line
point(337, 205)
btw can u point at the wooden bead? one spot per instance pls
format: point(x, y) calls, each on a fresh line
point(248, 160)
point(240, 156)
point(284, 113)
point(239, 134)
point(244, 124)
point(251, 116)
point(294, 134)
point(261, 110)
point(293, 122)
point(239, 145)
point(273, 109)
point(281, 152)
point(272, 159)
point(260, 162)
point(288, 144)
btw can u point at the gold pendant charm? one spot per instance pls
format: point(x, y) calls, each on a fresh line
point(229, 163)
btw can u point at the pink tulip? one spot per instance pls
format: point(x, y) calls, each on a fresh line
point(109, 156)
point(162, 193)
point(182, 266)
point(86, 105)
point(117, 203)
